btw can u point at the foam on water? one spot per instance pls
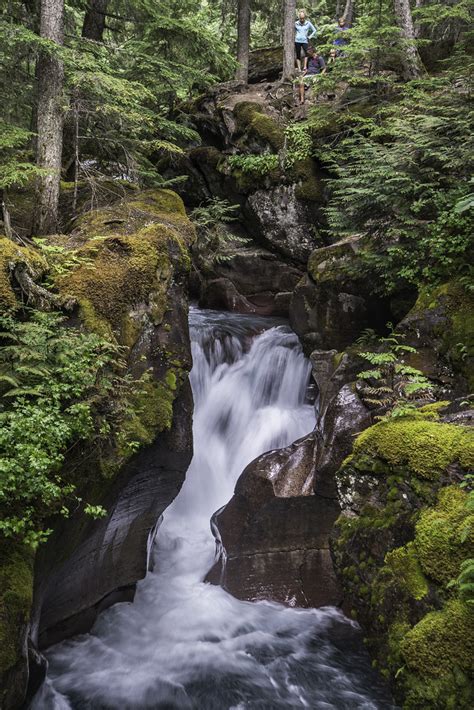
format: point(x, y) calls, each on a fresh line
point(184, 643)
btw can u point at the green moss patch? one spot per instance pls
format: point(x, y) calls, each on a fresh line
point(125, 270)
point(16, 593)
point(399, 554)
point(406, 570)
point(129, 215)
point(251, 119)
point(126, 256)
point(445, 535)
point(158, 202)
point(441, 641)
point(426, 447)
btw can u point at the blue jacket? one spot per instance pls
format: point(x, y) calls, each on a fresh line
point(303, 30)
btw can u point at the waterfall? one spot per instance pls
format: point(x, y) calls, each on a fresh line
point(184, 643)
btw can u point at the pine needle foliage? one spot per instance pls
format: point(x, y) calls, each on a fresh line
point(400, 176)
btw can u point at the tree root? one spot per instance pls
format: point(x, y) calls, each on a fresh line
point(38, 296)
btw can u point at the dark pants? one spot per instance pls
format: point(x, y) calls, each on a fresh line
point(301, 49)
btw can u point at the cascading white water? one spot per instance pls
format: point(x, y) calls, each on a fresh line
point(184, 643)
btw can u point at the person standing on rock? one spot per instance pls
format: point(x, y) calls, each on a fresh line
point(304, 31)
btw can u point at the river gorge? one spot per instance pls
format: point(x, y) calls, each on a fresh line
point(185, 643)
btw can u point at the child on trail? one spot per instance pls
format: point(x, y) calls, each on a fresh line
point(303, 27)
point(331, 59)
point(316, 65)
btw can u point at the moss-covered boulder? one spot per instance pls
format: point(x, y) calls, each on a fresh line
point(441, 327)
point(404, 531)
point(330, 307)
point(136, 246)
point(252, 121)
point(126, 269)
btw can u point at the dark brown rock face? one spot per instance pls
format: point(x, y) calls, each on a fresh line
point(279, 211)
point(111, 554)
point(325, 317)
point(275, 533)
point(346, 417)
point(329, 308)
point(249, 280)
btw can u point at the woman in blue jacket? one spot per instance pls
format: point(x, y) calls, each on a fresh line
point(304, 31)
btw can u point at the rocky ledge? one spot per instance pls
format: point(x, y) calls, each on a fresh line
point(129, 284)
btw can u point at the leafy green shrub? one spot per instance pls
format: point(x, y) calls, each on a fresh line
point(255, 164)
point(401, 179)
point(52, 382)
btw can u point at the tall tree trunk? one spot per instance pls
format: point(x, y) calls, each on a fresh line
point(348, 12)
point(94, 20)
point(50, 119)
point(418, 4)
point(289, 19)
point(412, 65)
point(243, 40)
point(7, 227)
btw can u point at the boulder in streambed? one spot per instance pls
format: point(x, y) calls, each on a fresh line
point(329, 309)
point(274, 533)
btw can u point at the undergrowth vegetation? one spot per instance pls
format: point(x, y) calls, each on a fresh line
point(54, 383)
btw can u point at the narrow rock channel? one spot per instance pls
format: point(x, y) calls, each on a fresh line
point(184, 643)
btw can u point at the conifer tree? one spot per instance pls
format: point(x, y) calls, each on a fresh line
point(50, 117)
point(243, 40)
point(289, 39)
point(94, 20)
point(411, 58)
point(348, 12)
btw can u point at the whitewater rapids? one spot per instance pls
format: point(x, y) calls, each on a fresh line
point(184, 643)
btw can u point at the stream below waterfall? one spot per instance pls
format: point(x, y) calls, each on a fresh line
point(184, 643)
